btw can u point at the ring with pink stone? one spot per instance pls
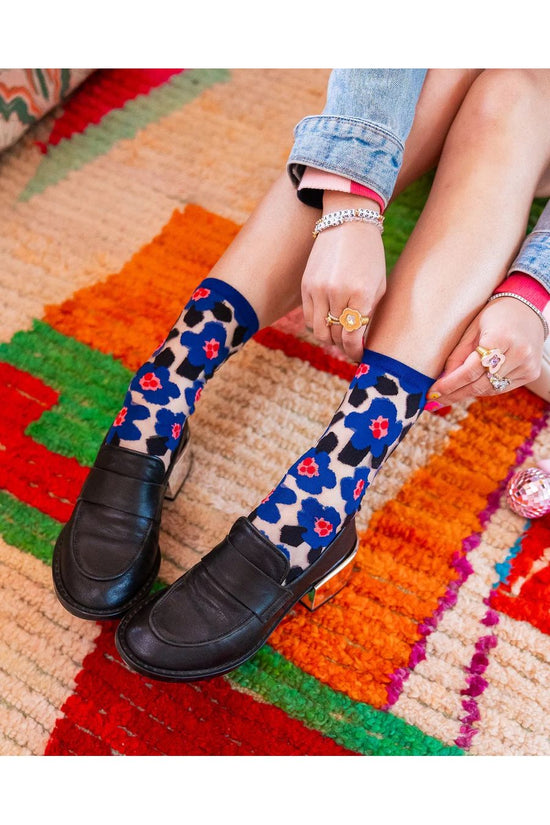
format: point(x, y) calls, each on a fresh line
point(492, 358)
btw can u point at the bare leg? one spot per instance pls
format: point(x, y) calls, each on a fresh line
point(266, 260)
point(494, 157)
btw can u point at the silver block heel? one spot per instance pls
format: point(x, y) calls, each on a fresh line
point(180, 471)
point(332, 583)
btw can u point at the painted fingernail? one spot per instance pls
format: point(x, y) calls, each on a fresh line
point(432, 406)
point(433, 395)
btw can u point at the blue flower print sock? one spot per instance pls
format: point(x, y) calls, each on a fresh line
point(324, 488)
point(214, 324)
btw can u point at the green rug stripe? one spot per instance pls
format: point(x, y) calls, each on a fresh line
point(354, 725)
point(90, 386)
point(26, 528)
point(120, 124)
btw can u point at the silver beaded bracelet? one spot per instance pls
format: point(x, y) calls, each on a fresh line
point(346, 215)
point(527, 303)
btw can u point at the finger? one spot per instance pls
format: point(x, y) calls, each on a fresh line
point(319, 325)
point(336, 332)
point(352, 343)
point(470, 371)
point(483, 386)
point(307, 309)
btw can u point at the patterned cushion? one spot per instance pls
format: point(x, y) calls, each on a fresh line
point(26, 95)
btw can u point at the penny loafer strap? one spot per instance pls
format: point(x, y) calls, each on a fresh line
point(245, 582)
point(130, 495)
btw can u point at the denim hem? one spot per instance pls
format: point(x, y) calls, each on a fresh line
point(358, 149)
point(534, 257)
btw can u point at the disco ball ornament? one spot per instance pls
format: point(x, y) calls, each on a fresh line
point(528, 493)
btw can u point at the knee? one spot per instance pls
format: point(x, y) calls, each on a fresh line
point(506, 100)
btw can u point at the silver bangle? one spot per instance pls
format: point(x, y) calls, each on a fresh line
point(346, 215)
point(527, 303)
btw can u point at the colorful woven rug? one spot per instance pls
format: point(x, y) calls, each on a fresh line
point(112, 209)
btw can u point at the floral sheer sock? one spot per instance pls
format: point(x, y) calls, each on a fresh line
point(214, 324)
point(324, 488)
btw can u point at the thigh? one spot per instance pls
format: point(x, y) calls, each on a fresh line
point(441, 97)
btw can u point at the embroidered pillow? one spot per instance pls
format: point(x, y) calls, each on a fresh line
point(26, 95)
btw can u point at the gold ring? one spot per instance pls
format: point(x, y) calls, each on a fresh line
point(350, 319)
point(493, 358)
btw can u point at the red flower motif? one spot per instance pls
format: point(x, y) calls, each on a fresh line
point(198, 394)
point(308, 467)
point(323, 527)
point(379, 427)
point(121, 417)
point(199, 293)
point(211, 348)
point(149, 381)
point(359, 488)
point(176, 431)
point(362, 369)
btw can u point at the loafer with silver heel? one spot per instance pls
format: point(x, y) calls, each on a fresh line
point(107, 556)
point(221, 612)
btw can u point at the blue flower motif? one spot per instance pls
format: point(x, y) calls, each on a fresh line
point(206, 348)
point(169, 425)
point(312, 472)
point(374, 428)
point(191, 396)
point(268, 510)
point(124, 424)
point(353, 489)
point(153, 383)
point(320, 523)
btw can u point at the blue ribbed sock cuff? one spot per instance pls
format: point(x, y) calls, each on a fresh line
point(410, 379)
point(244, 312)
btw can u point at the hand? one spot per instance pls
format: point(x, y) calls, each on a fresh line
point(506, 324)
point(346, 267)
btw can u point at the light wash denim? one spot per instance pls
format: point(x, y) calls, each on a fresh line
point(361, 135)
point(534, 255)
point(362, 130)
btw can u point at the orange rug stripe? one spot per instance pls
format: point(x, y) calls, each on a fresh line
point(151, 288)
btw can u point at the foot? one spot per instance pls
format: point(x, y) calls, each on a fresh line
point(107, 556)
point(223, 610)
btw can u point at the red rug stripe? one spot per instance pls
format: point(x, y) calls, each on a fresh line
point(311, 353)
point(102, 92)
point(206, 718)
point(45, 480)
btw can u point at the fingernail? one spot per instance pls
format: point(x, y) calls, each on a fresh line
point(433, 395)
point(431, 406)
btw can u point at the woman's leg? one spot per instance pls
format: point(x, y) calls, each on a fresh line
point(217, 615)
point(474, 220)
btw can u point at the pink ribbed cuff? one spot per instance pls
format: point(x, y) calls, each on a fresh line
point(526, 286)
point(318, 179)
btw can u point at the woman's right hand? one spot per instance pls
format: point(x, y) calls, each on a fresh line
point(346, 268)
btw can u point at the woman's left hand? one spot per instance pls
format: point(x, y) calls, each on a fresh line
point(505, 324)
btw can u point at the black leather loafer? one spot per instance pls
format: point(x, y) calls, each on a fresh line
point(107, 556)
point(222, 611)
